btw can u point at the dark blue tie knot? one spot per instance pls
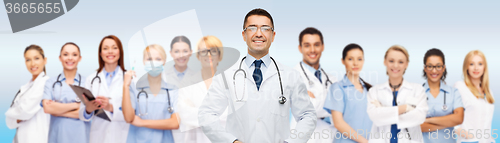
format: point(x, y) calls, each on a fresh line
point(257, 63)
point(318, 75)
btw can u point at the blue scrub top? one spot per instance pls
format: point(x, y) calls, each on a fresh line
point(63, 129)
point(453, 101)
point(157, 109)
point(345, 98)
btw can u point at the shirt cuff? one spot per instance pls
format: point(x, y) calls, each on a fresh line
point(87, 116)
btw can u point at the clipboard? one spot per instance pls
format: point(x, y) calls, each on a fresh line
point(80, 91)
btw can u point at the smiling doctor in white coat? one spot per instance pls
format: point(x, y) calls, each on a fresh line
point(258, 93)
point(25, 113)
point(317, 81)
point(397, 107)
point(107, 85)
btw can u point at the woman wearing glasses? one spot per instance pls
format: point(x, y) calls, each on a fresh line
point(445, 102)
point(148, 105)
point(210, 53)
point(477, 99)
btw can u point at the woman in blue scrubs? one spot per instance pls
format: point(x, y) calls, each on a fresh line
point(148, 105)
point(347, 99)
point(445, 102)
point(62, 103)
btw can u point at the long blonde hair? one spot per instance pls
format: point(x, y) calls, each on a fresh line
point(485, 83)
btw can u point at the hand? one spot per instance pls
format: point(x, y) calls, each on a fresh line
point(409, 107)
point(91, 106)
point(137, 121)
point(128, 77)
point(376, 103)
point(105, 103)
point(237, 142)
point(310, 94)
point(19, 121)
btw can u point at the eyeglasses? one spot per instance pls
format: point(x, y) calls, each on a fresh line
point(430, 67)
point(213, 52)
point(263, 29)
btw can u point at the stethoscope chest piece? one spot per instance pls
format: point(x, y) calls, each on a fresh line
point(170, 109)
point(445, 107)
point(282, 99)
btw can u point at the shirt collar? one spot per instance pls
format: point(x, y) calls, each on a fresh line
point(144, 83)
point(177, 72)
point(250, 59)
point(442, 86)
point(311, 69)
point(106, 73)
point(63, 77)
point(346, 82)
point(404, 84)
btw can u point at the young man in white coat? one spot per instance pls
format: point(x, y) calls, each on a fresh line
point(259, 94)
point(317, 81)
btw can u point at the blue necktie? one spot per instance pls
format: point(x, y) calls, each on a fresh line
point(394, 127)
point(318, 75)
point(257, 73)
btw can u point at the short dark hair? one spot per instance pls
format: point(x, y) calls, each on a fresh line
point(258, 11)
point(181, 38)
point(312, 31)
point(435, 52)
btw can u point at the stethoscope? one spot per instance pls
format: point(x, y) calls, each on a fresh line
point(311, 83)
point(20, 92)
point(282, 99)
point(445, 107)
point(99, 82)
point(60, 83)
point(394, 87)
point(170, 109)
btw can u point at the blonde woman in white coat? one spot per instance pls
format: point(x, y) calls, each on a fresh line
point(25, 113)
point(210, 53)
point(397, 107)
point(107, 85)
point(477, 99)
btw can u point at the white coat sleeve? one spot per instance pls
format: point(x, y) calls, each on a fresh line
point(416, 116)
point(26, 106)
point(380, 116)
point(82, 109)
point(212, 107)
point(302, 110)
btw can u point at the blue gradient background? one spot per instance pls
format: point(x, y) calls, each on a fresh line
point(456, 27)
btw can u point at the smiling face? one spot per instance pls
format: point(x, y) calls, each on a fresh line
point(70, 56)
point(208, 60)
point(258, 41)
point(181, 53)
point(354, 61)
point(476, 67)
point(434, 68)
point(110, 53)
point(311, 49)
point(35, 62)
point(396, 63)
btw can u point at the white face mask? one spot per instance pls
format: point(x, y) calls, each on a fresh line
point(154, 68)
